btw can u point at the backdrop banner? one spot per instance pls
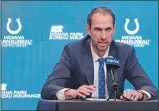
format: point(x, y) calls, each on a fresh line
point(34, 34)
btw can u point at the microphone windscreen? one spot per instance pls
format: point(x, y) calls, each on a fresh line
point(112, 62)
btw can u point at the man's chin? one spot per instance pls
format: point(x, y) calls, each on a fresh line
point(102, 48)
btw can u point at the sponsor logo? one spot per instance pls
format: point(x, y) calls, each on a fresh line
point(3, 87)
point(14, 39)
point(133, 38)
point(16, 93)
point(56, 33)
point(112, 61)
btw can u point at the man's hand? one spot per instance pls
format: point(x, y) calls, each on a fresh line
point(82, 92)
point(133, 95)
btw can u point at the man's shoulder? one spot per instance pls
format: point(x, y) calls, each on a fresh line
point(122, 51)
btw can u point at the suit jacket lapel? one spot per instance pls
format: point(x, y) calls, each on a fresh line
point(112, 50)
point(88, 62)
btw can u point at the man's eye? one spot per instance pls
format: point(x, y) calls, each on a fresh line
point(98, 29)
point(108, 29)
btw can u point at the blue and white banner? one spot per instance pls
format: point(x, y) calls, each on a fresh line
point(35, 32)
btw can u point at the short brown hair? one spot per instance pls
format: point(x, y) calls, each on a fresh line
point(99, 10)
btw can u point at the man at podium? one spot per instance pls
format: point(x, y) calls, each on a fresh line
point(83, 71)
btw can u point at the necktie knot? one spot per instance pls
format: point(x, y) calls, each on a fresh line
point(101, 61)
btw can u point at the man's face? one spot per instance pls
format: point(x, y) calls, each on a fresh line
point(101, 32)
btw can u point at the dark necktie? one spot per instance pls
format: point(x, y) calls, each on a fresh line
point(101, 79)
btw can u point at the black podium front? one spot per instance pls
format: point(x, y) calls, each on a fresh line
point(79, 105)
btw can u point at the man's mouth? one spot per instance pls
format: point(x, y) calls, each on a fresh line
point(103, 44)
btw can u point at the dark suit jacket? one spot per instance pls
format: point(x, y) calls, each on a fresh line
point(75, 68)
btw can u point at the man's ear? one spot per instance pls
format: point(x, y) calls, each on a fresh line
point(88, 28)
point(114, 28)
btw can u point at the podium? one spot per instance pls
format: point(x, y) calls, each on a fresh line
point(82, 105)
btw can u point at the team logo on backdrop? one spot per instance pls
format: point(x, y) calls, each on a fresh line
point(4, 93)
point(14, 39)
point(56, 33)
point(132, 38)
point(15, 31)
point(131, 32)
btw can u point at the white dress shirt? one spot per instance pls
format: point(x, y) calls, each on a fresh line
point(60, 93)
point(96, 67)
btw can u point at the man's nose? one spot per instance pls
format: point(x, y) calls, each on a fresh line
point(104, 34)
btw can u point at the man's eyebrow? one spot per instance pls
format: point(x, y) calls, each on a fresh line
point(103, 28)
point(97, 28)
point(108, 27)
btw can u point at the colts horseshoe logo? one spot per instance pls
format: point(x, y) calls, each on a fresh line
point(129, 31)
point(15, 31)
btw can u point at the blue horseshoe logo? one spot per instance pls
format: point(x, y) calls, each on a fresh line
point(129, 31)
point(14, 31)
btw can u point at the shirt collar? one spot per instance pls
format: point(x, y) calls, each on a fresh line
point(95, 56)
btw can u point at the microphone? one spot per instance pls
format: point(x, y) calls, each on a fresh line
point(112, 65)
point(112, 62)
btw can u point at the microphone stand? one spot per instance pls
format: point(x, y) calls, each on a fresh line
point(114, 84)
